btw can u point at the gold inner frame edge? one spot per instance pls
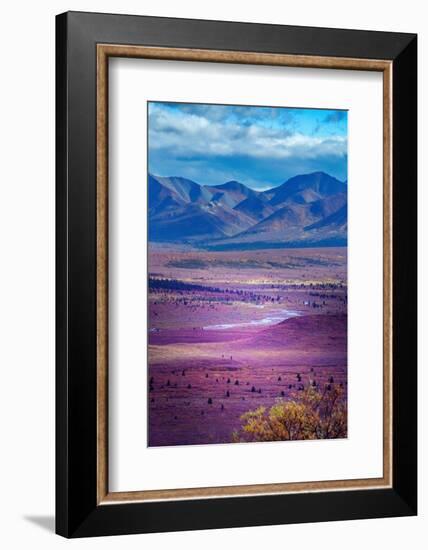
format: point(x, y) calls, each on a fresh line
point(104, 51)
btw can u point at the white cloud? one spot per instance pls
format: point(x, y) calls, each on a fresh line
point(189, 134)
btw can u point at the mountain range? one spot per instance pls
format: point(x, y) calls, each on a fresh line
point(306, 210)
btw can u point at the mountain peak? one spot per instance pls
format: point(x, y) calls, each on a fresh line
point(311, 176)
point(231, 185)
point(308, 207)
point(317, 173)
point(312, 184)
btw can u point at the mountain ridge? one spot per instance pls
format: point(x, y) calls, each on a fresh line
point(306, 208)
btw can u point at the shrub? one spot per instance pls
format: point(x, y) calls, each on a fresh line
point(310, 414)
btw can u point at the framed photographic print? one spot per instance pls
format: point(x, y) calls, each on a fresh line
point(236, 274)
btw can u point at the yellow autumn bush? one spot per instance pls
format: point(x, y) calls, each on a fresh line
point(309, 414)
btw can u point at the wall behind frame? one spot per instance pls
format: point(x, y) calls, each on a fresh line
point(27, 272)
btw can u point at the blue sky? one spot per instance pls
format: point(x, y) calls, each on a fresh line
point(259, 146)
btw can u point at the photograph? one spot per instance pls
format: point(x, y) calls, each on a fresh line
point(247, 273)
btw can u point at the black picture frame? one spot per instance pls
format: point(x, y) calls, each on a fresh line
point(77, 511)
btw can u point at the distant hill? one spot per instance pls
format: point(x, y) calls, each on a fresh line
point(231, 193)
point(337, 219)
point(298, 333)
point(256, 207)
point(306, 188)
point(306, 210)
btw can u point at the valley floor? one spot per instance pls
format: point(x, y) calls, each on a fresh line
point(230, 331)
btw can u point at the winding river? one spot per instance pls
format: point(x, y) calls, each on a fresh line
point(272, 319)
